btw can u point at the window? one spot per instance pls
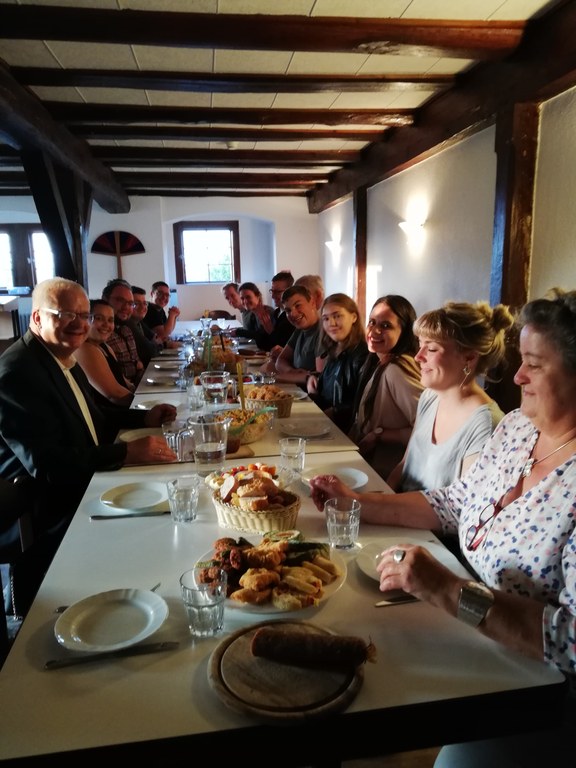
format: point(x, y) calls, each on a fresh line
point(25, 255)
point(207, 252)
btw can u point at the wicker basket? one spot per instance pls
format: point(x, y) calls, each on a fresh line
point(263, 521)
point(283, 405)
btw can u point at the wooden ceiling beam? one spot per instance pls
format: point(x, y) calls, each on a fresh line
point(258, 158)
point(159, 179)
point(416, 37)
point(30, 127)
point(202, 82)
point(232, 133)
point(122, 113)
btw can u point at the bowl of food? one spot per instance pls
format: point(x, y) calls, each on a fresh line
point(247, 425)
point(272, 395)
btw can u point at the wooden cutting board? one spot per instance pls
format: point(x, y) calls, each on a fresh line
point(272, 691)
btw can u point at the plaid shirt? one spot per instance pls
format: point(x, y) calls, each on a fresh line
point(123, 344)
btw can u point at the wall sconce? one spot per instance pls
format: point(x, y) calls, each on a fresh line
point(412, 228)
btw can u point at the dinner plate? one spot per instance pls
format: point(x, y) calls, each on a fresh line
point(134, 497)
point(256, 359)
point(135, 434)
point(111, 620)
point(169, 352)
point(163, 381)
point(354, 478)
point(305, 428)
point(268, 608)
point(169, 365)
point(296, 392)
point(369, 557)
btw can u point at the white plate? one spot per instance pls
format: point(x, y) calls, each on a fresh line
point(111, 620)
point(169, 352)
point(296, 392)
point(162, 381)
point(329, 589)
point(355, 478)
point(134, 497)
point(305, 428)
point(369, 557)
point(169, 365)
point(136, 434)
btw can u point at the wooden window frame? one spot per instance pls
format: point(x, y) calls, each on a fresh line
point(180, 226)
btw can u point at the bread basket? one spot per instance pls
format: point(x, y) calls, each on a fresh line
point(276, 518)
point(269, 394)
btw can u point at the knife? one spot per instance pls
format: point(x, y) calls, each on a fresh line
point(400, 600)
point(134, 514)
point(133, 650)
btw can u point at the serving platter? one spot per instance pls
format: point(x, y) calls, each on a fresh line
point(134, 497)
point(353, 477)
point(272, 691)
point(111, 620)
point(307, 428)
point(267, 608)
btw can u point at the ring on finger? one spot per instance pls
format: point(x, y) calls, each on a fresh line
point(399, 555)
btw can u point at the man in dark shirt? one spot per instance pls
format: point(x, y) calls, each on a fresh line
point(156, 319)
point(148, 344)
point(283, 329)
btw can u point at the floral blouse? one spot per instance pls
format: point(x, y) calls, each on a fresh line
point(530, 546)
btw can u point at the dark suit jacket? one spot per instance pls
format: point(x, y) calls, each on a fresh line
point(43, 433)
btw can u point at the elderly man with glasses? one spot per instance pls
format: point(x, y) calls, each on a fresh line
point(51, 429)
point(119, 294)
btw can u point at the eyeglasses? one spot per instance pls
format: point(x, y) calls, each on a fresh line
point(122, 302)
point(69, 317)
point(476, 534)
point(276, 290)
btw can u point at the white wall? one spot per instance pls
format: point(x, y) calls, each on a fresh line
point(274, 234)
point(554, 236)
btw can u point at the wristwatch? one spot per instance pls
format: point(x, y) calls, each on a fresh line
point(474, 603)
point(378, 430)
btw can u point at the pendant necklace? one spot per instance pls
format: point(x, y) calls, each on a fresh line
point(531, 463)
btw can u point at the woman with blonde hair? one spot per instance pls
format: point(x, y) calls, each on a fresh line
point(459, 343)
point(343, 346)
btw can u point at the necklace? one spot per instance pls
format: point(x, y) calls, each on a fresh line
point(531, 463)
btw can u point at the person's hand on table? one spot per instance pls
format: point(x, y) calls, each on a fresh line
point(417, 572)
point(324, 487)
point(312, 384)
point(149, 450)
point(160, 413)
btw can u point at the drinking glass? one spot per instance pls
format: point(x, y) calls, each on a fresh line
point(342, 522)
point(293, 453)
point(183, 492)
point(204, 597)
point(215, 386)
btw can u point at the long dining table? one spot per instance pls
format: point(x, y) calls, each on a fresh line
point(434, 680)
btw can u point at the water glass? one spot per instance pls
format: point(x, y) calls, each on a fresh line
point(293, 453)
point(183, 494)
point(215, 386)
point(170, 430)
point(342, 522)
point(210, 439)
point(195, 393)
point(204, 593)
